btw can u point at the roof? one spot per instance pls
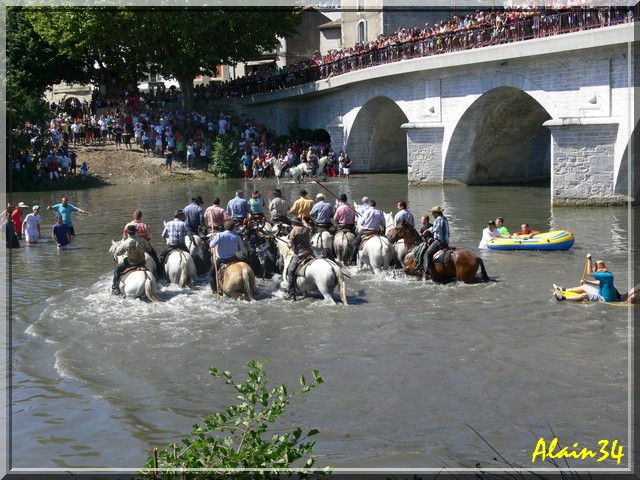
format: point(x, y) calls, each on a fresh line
point(332, 24)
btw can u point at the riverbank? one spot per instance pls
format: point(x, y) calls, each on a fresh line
point(111, 166)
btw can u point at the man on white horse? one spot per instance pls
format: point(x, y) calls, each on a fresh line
point(134, 248)
point(302, 206)
point(228, 244)
point(278, 208)
point(176, 231)
point(322, 212)
point(372, 223)
point(300, 244)
point(345, 215)
point(143, 231)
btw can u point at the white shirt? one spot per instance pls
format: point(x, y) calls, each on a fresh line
point(488, 235)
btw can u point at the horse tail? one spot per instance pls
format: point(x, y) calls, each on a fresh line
point(341, 285)
point(148, 288)
point(183, 270)
point(485, 277)
point(246, 280)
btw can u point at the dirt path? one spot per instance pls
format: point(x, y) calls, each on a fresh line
point(118, 167)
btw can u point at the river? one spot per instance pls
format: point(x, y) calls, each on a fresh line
point(409, 366)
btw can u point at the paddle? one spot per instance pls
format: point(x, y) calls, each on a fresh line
point(334, 196)
point(584, 272)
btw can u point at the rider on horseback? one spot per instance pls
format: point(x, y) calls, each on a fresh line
point(278, 208)
point(440, 231)
point(134, 248)
point(372, 223)
point(322, 211)
point(176, 231)
point(345, 215)
point(300, 243)
point(228, 244)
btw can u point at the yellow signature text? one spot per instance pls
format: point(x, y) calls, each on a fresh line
point(552, 451)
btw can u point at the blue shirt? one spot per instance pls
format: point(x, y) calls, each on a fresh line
point(238, 208)
point(440, 229)
point(65, 212)
point(60, 232)
point(404, 214)
point(194, 216)
point(323, 211)
point(229, 243)
point(606, 288)
point(373, 219)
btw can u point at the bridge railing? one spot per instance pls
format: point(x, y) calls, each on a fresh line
point(536, 24)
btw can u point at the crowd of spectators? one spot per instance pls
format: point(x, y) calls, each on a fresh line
point(462, 32)
point(153, 121)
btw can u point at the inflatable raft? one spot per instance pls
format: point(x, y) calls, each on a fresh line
point(555, 240)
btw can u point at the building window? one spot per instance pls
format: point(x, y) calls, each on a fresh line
point(361, 35)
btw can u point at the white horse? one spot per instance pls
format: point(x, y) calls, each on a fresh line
point(343, 243)
point(321, 274)
point(139, 283)
point(376, 253)
point(398, 249)
point(322, 239)
point(191, 245)
point(297, 173)
point(180, 268)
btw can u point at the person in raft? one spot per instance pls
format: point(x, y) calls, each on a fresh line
point(602, 289)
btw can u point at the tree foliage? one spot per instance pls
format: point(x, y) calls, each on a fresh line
point(33, 65)
point(225, 157)
point(237, 438)
point(177, 42)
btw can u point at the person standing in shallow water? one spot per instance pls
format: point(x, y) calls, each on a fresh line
point(31, 225)
point(65, 209)
point(60, 233)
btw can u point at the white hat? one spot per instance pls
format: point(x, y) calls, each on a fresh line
point(320, 195)
point(22, 205)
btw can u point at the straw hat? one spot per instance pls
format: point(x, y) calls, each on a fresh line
point(436, 209)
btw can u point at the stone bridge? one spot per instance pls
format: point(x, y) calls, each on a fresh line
point(557, 109)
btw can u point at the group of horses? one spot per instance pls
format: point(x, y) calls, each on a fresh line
point(301, 171)
point(266, 252)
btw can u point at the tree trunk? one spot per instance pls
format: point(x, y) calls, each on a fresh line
point(186, 87)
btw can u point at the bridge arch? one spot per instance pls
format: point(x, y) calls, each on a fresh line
point(627, 181)
point(500, 139)
point(376, 141)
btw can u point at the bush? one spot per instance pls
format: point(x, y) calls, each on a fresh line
point(225, 159)
point(236, 438)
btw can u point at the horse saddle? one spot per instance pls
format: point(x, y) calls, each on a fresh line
point(304, 263)
point(366, 235)
point(131, 269)
point(443, 255)
point(222, 267)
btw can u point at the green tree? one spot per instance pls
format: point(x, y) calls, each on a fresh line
point(33, 66)
point(177, 42)
point(237, 438)
point(225, 159)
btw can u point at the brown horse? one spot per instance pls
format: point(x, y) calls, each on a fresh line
point(462, 266)
point(239, 281)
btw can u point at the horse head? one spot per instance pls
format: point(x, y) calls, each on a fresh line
point(112, 251)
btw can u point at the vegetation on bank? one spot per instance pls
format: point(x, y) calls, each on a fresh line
point(236, 439)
